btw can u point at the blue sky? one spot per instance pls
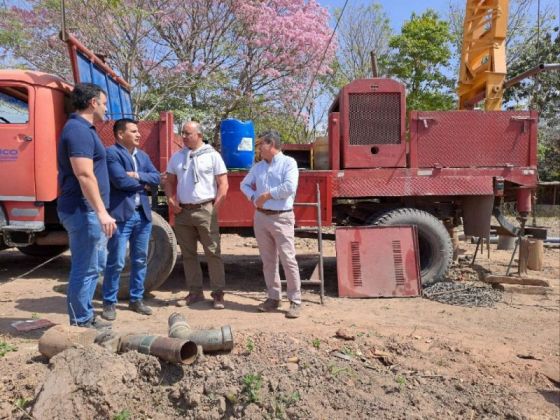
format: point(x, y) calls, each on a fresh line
point(397, 10)
point(401, 10)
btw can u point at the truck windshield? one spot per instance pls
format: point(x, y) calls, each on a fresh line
point(14, 107)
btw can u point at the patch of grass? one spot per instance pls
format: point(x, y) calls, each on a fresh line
point(291, 398)
point(34, 315)
point(122, 415)
point(282, 401)
point(250, 345)
point(401, 380)
point(21, 403)
point(348, 351)
point(316, 343)
point(335, 370)
point(6, 348)
point(252, 384)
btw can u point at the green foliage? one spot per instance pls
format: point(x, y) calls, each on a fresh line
point(252, 384)
point(419, 56)
point(316, 343)
point(250, 345)
point(335, 370)
point(282, 401)
point(122, 415)
point(401, 380)
point(6, 348)
point(542, 94)
point(21, 402)
point(347, 351)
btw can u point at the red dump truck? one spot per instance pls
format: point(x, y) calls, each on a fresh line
point(451, 168)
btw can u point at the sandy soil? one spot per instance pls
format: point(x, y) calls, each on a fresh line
point(409, 357)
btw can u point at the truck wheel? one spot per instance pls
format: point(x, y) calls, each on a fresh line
point(162, 254)
point(35, 250)
point(436, 249)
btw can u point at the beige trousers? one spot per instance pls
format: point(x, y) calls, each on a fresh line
point(201, 225)
point(275, 237)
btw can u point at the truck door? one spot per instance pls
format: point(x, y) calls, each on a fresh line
point(17, 178)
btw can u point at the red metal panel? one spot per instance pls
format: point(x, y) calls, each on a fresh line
point(426, 182)
point(464, 139)
point(237, 211)
point(377, 261)
point(372, 124)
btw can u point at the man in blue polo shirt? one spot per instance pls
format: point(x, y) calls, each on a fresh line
point(84, 198)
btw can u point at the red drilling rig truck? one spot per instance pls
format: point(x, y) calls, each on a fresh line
point(455, 167)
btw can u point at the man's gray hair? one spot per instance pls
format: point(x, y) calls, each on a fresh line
point(271, 137)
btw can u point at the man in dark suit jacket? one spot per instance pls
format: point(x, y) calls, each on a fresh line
point(131, 173)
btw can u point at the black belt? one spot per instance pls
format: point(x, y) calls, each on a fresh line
point(194, 206)
point(269, 212)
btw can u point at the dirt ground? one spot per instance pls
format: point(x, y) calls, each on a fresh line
point(409, 358)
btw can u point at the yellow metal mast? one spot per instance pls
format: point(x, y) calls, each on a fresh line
point(483, 58)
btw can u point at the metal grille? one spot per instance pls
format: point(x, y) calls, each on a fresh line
point(375, 118)
point(356, 263)
point(398, 262)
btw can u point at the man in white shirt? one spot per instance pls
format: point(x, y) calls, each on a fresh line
point(196, 186)
point(271, 185)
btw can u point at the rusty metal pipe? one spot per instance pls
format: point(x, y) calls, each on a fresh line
point(531, 72)
point(173, 350)
point(213, 340)
point(63, 337)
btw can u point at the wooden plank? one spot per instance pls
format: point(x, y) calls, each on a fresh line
point(527, 281)
point(523, 290)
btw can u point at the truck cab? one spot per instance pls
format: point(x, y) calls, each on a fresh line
point(33, 110)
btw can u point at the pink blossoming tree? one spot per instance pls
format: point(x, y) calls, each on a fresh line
point(203, 59)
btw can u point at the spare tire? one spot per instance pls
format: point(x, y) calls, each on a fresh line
point(162, 254)
point(436, 248)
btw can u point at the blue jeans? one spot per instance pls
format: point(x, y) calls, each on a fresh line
point(88, 245)
point(135, 231)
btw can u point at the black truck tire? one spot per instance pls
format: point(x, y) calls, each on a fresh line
point(162, 254)
point(35, 250)
point(434, 242)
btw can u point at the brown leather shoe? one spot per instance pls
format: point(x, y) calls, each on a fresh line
point(269, 305)
point(294, 311)
point(194, 297)
point(218, 300)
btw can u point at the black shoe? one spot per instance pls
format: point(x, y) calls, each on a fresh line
point(96, 324)
point(109, 312)
point(139, 307)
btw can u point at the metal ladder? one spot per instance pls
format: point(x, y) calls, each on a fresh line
point(317, 277)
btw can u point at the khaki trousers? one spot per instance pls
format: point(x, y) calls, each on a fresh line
point(275, 237)
point(201, 225)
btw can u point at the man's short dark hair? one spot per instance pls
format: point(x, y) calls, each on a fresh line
point(120, 125)
point(83, 93)
point(271, 137)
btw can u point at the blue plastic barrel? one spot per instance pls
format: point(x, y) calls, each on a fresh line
point(238, 143)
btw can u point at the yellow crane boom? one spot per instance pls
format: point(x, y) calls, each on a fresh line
point(482, 69)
